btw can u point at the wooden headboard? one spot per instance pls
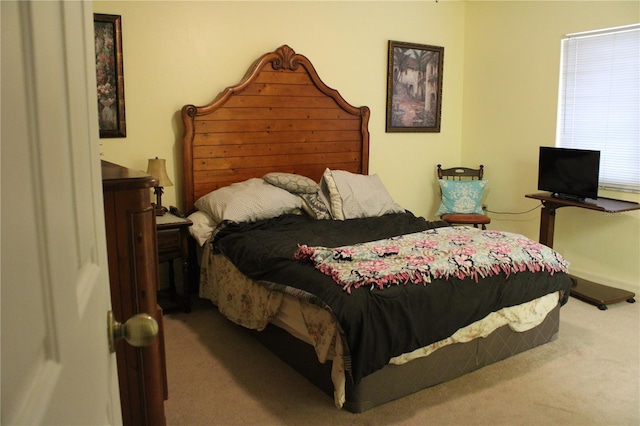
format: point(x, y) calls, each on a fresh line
point(280, 117)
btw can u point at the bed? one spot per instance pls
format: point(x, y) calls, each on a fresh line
point(290, 223)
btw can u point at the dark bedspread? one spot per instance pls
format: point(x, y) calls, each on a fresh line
point(376, 324)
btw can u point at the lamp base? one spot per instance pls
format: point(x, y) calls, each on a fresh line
point(159, 210)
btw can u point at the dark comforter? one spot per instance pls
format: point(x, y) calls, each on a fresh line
point(376, 324)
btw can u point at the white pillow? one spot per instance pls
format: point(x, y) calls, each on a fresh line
point(202, 228)
point(354, 195)
point(248, 201)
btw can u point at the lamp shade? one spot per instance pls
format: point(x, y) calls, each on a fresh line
point(157, 168)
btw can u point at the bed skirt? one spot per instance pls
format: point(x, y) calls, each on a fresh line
point(395, 381)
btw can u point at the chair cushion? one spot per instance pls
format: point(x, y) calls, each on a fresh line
point(461, 196)
point(466, 218)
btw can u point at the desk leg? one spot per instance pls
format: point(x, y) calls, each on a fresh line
point(547, 225)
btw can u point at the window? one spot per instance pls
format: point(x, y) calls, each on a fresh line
point(599, 101)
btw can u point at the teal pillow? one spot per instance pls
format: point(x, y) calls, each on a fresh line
point(461, 196)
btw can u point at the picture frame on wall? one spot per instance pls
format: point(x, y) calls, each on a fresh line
point(414, 87)
point(109, 75)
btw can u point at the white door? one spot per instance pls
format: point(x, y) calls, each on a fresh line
point(56, 366)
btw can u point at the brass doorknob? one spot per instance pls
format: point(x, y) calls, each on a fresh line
point(140, 330)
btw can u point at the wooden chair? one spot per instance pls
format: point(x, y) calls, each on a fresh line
point(464, 173)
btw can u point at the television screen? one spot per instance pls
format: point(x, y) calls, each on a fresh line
point(569, 173)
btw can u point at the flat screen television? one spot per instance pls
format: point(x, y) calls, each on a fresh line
point(569, 173)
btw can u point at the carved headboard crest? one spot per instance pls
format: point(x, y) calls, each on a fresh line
point(285, 59)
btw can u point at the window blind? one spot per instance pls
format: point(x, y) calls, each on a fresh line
point(599, 101)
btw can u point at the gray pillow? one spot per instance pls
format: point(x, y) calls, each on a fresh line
point(296, 184)
point(314, 206)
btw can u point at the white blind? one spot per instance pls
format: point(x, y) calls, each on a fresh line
point(599, 101)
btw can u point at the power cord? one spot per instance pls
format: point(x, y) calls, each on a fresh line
point(525, 212)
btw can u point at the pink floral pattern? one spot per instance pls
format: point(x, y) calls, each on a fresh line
point(418, 258)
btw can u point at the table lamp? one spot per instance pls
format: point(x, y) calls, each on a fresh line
point(157, 169)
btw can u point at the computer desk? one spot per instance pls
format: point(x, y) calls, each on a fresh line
point(597, 294)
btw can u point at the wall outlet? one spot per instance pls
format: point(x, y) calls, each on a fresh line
point(485, 207)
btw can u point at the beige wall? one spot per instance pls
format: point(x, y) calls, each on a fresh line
point(512, 60)
point(177, 53)
point(499, 97)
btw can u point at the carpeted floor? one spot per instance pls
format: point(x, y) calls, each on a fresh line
point(219, 375)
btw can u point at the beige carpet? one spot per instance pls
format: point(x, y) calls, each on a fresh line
point(219, 375)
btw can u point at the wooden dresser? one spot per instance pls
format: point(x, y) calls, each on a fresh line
point(133, 275)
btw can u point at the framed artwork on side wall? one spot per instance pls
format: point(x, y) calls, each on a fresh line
point(414, 87)
point(110, 75)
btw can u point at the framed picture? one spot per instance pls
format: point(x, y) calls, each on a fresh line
point(414, 87)
point(109, 75)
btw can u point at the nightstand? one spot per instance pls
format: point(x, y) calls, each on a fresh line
point(173, 243)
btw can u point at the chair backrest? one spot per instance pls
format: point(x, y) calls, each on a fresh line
point(458, 173)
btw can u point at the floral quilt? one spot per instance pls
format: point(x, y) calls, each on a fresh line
point(417, 258)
